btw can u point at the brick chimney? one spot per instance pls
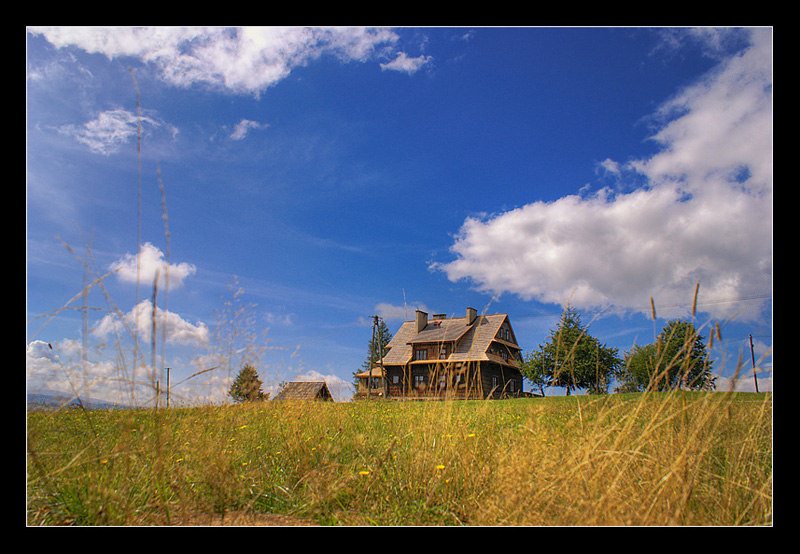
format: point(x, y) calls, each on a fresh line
point(422, 320)
point(472, 313)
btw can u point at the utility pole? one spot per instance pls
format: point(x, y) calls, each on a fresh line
point(371, 357)
point(380, 360)
point(753, 358)
point(167, 387)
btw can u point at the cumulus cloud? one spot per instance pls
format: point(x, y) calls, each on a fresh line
point(705, 214)
point(63, 369)
point(240, 60)
point(140, 319)
point(151, 265)
point(340, 389)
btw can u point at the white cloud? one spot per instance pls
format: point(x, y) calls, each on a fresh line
point(705, 214)
point(404, 64)
point(240, 60)
point(66, 369)
point(744, 383)
point(403, 313)
point(140, 319)
point(244, 127)
point(151, 264)
point(340, 389)
point(283, 320)
point(106, 134)
point(112, 129)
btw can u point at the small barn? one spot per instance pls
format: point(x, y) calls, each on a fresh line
point(305, 390)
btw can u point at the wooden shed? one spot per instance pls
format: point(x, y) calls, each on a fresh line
point(305, 390)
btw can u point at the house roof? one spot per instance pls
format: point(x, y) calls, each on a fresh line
point(472, 341)
point(442, 330)
point(305, 390)
point(377, 371)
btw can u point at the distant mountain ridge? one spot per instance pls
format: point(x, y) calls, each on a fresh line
point(56, 400)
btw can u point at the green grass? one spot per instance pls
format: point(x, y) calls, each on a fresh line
point(653, 459)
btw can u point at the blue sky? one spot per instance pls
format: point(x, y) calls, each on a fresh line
point(297, 181)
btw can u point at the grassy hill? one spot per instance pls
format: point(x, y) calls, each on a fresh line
point(646, 459)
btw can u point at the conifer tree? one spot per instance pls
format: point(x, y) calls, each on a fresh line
point(246, 387)
point(376, 345)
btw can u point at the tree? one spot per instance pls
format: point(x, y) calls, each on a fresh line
point(376, 347)
point(571, 358)
point(246, 386)
point(533, 369)
point(677, 360)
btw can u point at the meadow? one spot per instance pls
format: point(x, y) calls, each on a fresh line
point(650, 459)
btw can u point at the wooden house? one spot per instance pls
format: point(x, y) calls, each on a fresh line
point(305, 390)
point(476, 356)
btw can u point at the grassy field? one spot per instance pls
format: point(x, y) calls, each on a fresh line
point(653, 459)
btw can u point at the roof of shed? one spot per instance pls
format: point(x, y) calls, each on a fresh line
point(304, 390)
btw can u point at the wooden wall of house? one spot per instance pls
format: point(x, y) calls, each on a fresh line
point(497, 380)
point(475, 382)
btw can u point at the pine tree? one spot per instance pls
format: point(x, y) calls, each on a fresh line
point(376, 346)
point(246, 386)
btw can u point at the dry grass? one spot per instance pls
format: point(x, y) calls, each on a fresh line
point(661, 459)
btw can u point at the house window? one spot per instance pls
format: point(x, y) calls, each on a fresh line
point(419, 380)
point(504, 355)
point(421, 354)
point(511, 386)
point(395, 379)
point(443, 353)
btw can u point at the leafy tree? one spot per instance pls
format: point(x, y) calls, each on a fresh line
point(678, 359)
point(534, 370)
point(246, 386)
point(571, 358)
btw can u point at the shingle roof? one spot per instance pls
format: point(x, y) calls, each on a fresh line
point(442, 330)
point(305, 390)
point(472, 341)
point(377, 371)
